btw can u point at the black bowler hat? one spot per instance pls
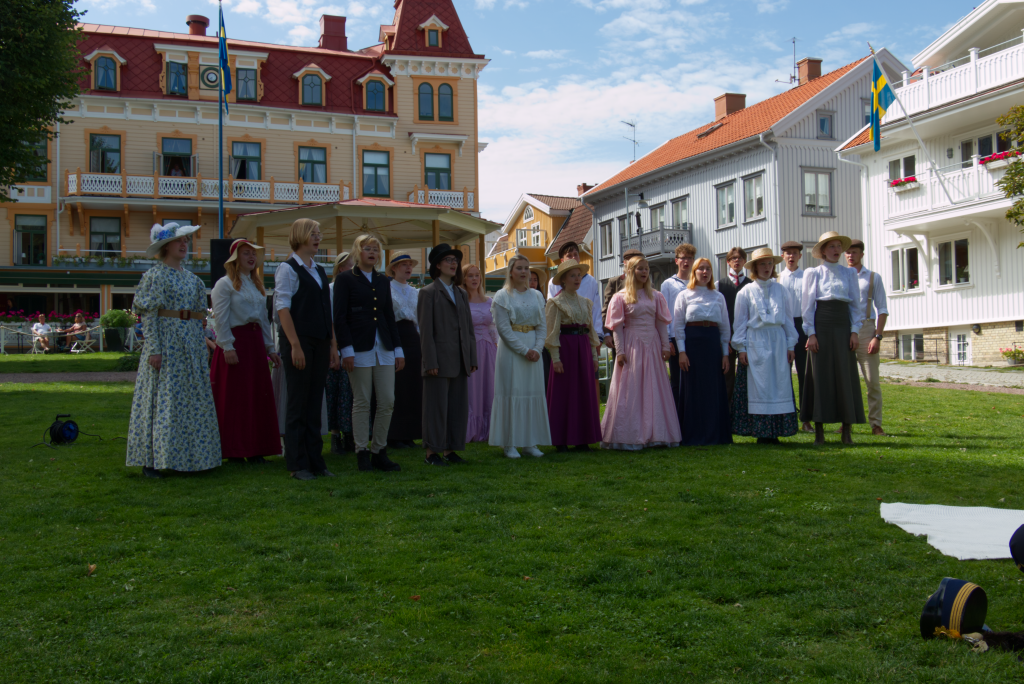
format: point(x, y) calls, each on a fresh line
point(1017, 547)
point(959, 607)
point(440, 252)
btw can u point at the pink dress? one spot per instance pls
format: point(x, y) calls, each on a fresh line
point(640, 411)
point(481, 383)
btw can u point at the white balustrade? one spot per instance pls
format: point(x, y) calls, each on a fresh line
point(316, 192)
point(446, 198)
point(470, 200)
point(72, 183)
point(175, 186)
point(101, 184)
point(140, 185)
point(286, 192)
point(251, 190)
point(973, 184)
point(210, 188)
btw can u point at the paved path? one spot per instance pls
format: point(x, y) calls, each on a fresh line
point(68, 377)
point(952, 374)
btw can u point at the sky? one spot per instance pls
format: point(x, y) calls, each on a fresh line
point(564, 74)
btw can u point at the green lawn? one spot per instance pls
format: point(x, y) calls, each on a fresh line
point(741, 563)
point(59, 363)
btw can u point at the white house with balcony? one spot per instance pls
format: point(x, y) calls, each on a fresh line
point(936, 221)
point(754, 177)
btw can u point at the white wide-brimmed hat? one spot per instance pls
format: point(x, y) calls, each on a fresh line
point(827, 238)
point(161, 235)
point(237, 245)
point(567, 266)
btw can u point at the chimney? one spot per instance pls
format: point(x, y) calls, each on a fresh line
point(810, 69)
point(197, 24)
point(332, 33)
point(582, 188)
point(729, 103)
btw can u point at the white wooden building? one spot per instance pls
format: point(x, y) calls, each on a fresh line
point(757, 176)
point(947, 254)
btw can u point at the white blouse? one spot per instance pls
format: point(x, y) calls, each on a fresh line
point(404, 298)
point(232, 308)
point(519, 308)
point(793, 281)
point(696, 305)
point(763, 304)
point(830, 282)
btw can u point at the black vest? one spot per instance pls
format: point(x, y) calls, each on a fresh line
point(311, 304)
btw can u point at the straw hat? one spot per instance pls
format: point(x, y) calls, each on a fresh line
point(161, 235)
point(565, 267)
point(237, 245)
point(827, 238)
point(542, 276)
point(762, 254)
point(390, 270)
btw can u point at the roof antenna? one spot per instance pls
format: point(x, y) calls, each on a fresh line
point(795, 76)
point(632, 124)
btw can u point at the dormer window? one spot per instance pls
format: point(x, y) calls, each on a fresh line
point(312, 90)
point(177, 79)
point(106, 69)
point(433, 32)
point(375, 90)
point(374, 96)
point(433, 38)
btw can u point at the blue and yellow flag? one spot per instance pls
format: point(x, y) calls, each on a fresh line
point(225, 68)
point(881, 97)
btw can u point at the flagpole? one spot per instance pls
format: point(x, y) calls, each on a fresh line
point(220, 132)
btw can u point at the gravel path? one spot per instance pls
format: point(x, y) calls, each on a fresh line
point(952, 375)
point(958, 386)
point(67, 377)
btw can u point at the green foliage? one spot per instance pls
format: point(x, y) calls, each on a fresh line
point(746, 563)
point(127, 363)
point(59, 363)
point(1012, 182)
point(39, 74)
point(116, 318)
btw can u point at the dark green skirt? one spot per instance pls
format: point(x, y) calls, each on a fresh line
point(831, 382)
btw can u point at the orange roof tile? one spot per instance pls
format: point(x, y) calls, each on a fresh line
point(859, 139)
point(746, 123)
point(557, 201)
point(575, 229)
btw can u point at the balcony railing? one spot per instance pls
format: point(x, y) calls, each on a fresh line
point(980, 71)
point(977, 182)
point(499, 259)
point(462, 200)
point(659, 241)
point(79, 183)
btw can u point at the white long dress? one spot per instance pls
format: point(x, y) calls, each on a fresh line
point(763, 328)
point(519, 413)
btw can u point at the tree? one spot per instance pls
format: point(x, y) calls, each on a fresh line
point(1012, 182)
point(39, 75)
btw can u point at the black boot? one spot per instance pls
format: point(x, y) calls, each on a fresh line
point(381, 461)
point(337, 447)
point(350, 442)
point(561, 449)
point(364, 459)
point(847, 437)
point(819, 433)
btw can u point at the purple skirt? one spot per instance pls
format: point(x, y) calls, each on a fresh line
point(572, 396)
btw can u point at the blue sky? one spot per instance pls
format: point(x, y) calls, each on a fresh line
point(564, 73)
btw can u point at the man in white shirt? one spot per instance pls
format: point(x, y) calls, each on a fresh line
point(670, 288)
point(589, 287)
point(41, 331)
point(872, 302)
point(792, 278)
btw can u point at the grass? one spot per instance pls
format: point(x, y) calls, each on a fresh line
point(726, 564)
point(61, 363)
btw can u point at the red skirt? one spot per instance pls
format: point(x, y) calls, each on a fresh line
point(244, 397)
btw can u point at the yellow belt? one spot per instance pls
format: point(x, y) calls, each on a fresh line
point(524, 328)
point(183, 314)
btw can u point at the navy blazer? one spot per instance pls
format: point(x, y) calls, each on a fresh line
point(362, 310)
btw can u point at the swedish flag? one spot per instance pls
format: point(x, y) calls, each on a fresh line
point(881, 97)
point(225, 68)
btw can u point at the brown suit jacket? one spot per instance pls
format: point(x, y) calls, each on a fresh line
point(446, 331)
point(613, 286)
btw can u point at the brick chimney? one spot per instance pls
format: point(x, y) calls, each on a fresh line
point(197, 24)
point(332, 33)
point(810, 69)
point(583, 188)
point(728, 104)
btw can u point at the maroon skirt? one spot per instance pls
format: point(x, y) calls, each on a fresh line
point(572, 395)
point(244, 397)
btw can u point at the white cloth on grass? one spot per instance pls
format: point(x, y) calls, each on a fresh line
point(963, 532)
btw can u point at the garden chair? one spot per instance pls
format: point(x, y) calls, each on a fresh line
point(86, 346)
point(37, 346)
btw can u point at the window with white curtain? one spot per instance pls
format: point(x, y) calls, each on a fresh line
point(753, 197)
point(313, 164)
point(906, 270)
point(954, 263)
point(726, 205)
point(246, 160)
point(658, 217)
point(680, 212)
point(818, 192)
point(607, 239)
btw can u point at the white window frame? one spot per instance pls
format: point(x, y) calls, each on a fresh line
point(865, 109)
point(825, 114)
point(804, 170)
point(657, 223)
point(721, 191)
point(757, 178)
point(528, 214)
point(681, 205)
point(608, 239)
point(898, 282)
point(908, 343)
point(536, 236)
point(902, 162)
point(721, 266)
point(951, 240)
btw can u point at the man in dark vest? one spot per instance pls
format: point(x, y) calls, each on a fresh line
point(732, 281)
point(302, 300)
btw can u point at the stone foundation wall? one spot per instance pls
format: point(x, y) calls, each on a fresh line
point(994, 336)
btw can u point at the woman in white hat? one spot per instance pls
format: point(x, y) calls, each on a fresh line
point(572, 342)
point(339, 389)
point(242, 391)
point(764, 337)
point(409, 381)
point(173, 424)
point(831, 386)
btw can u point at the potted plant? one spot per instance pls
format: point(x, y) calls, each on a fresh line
point(904, 184)
point(999, 160)
point(116, 323)
point(1013, 356)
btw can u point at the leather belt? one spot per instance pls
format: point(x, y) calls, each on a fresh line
point(524, 328)
point(575, 330)
point(702, 324)
point(183, 314)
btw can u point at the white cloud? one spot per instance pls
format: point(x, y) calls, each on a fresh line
point(484, 4)
point(771, 6)
point(547, 54)
point(145, 5)
point(303, 35)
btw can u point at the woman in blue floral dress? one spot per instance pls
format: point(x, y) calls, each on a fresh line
point(174, 422)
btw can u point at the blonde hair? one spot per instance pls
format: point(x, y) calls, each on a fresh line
point(235, 273)
point(482, 288)
point(362, 241)
point(337, 267)
point(631, 284)
point(753, 271)
point(692, 285)
point(301, 230)
point(511, 264)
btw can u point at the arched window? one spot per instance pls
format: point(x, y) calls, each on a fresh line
point(312, 88)
point(426, 102)
point(445, 103)
point(374, 96)
point(106, 74)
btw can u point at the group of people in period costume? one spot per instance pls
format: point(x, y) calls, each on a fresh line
point(517, 370)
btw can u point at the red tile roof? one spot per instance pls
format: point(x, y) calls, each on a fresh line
point(859, 139)
point(557, 201)
point(746, 123)
point(409, 39)
point(575, 229)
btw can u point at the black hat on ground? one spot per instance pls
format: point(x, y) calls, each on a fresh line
point(566, 247)
point(792, 244)
point(959, 607)
point(440, 252)
point(1017, 547)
